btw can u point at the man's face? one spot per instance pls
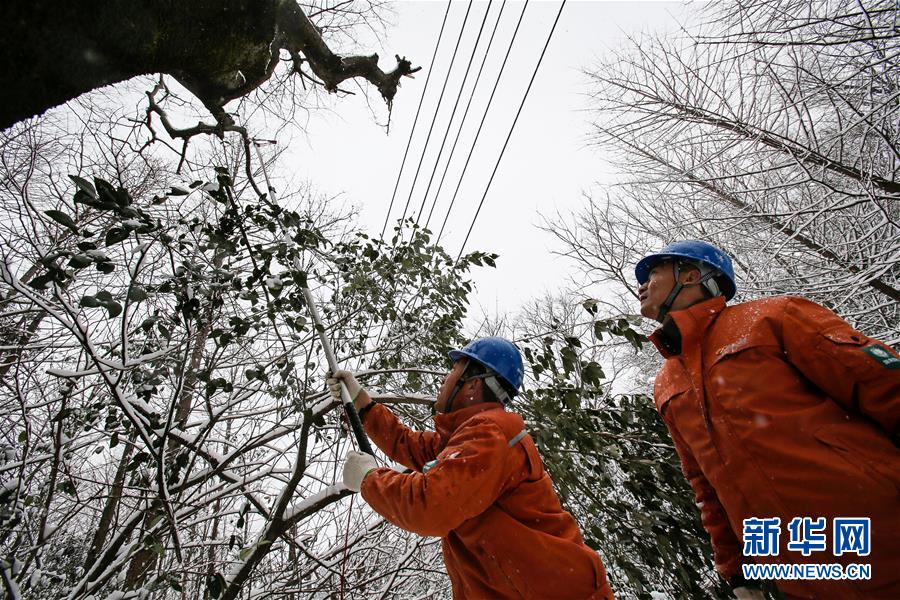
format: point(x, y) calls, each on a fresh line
point(653, 292)
point(449, 382)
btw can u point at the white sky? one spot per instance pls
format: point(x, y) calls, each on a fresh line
point(547, 165)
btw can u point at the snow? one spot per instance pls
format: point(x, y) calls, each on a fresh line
point(274, 283)
point(49, 530)
point(324, 405)
point(34, 578)
point(63, 373)
point(326, 492)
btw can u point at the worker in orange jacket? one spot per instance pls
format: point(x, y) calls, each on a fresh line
point(478, 483)
point(779, 410)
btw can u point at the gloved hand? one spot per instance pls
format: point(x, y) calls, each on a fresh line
point(357, 393)
point(748, 593)
point(356, 466)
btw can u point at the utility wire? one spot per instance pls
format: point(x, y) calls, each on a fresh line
point(509, 135)
point(437, 109)
point(487, 52)
point(462, 86)
point(416, 120)
point(480, 125)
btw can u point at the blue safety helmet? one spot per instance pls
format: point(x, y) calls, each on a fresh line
point(497, 354)
point(692, 251)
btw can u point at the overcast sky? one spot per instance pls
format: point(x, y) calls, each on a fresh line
point(549, 162)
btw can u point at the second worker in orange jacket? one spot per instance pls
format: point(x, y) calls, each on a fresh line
point(479, 484)
point(778, 409)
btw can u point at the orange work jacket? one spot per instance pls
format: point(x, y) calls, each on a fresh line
point(479, 484)
point(778, 408)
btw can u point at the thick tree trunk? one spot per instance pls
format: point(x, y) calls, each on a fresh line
point(111, 507)
point(56, 50)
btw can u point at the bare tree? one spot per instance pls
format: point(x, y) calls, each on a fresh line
point(773, 132)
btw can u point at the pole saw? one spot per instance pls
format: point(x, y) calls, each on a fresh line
point(352, 415)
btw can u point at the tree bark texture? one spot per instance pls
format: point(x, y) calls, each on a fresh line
point(55, 50)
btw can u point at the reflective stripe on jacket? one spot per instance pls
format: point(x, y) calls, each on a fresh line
point(778, 408)
point(504, 533)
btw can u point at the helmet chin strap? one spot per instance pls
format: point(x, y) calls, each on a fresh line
point(666, 306)
point(489, 380)
point(456, 387)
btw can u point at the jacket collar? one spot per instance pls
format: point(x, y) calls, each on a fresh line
point(446, 423)
point(689, 324)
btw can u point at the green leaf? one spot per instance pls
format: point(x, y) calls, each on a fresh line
point(116, 235)
point(156, 519)
point(137, 294)
point(41, 281)
point(82, 197)
point(112, 198)
point(23, 435)
point(245, 552)
point(569, 359)
point(216, 585)
point(89, 302)
point(592, 374)
point(62, 218)
point(106, 267)
point(80, 261)
point(84, 185)
point(114, 308)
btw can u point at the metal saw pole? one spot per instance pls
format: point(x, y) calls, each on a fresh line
point(352, 415)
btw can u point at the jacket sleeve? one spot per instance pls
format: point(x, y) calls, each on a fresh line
point(726, 546)
point(859, 373)
point(410, 448)
point(469, 476)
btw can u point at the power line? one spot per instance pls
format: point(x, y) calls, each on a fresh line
point(437, 109)
point(416, 120)
point(487, 52)
point(509, 135)
point(480, 125)
point(453, 112)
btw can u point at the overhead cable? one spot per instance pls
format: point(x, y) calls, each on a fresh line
point(416, 120)
point(480, 125)
point(487, 53)
point(462, 86)
point(437, 109)
point(509, 135)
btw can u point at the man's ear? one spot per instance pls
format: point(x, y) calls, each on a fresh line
point(690, 276)
point(477, 388)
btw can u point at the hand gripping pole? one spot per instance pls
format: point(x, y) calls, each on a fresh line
point(352, 415)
